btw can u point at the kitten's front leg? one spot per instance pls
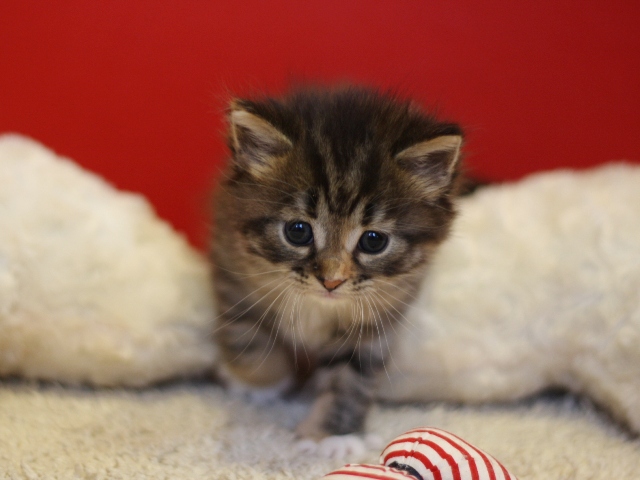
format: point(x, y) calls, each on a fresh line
point(340, 410)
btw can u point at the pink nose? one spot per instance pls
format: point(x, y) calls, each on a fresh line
point(332, 284)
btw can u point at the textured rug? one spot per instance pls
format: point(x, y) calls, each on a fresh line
point(200, 431)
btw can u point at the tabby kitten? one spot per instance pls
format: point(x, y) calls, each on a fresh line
point(331, 206)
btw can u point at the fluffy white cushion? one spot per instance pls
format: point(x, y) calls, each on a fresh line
point(539, 286)
point(94, 288)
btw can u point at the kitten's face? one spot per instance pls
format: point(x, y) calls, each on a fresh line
point(343, 194)
point(343, 241)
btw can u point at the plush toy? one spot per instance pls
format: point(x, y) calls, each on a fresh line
point(428, 454)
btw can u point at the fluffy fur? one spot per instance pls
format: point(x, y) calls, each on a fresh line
point(94, 288)
point(366, 181)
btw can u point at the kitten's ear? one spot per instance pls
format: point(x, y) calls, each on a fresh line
point(255, 142)
point(434, 161)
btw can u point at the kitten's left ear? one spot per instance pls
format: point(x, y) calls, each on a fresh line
point(434, 161)
point(255, 141)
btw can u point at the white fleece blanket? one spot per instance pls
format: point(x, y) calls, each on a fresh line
point(538, 287)
point(94, 287)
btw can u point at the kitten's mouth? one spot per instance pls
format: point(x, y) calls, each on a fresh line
point(327, 295)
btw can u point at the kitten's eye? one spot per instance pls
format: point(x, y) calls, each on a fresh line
point(373, 242)
point(298, 233)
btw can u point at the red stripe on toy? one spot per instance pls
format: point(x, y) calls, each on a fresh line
point(366, 465)
point(382, 468)
point(435, 471)
point(485, 458)
point(473, 467)
point(374, 476)
point(455, 466)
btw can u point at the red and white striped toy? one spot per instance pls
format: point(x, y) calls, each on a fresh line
point(428, 454)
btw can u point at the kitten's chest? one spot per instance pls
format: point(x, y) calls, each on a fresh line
point(315, 325)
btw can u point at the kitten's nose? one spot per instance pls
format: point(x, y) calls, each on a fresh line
point(332, 284)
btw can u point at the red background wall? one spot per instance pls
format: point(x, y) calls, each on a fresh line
point(135, 90)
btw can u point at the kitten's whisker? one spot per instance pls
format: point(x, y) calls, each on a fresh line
point(396, 298)
point(346, 335)
point(384, 333)
point(390, 323)
point(301, 334)
point(362, 325)
point(291, 311)
point(386, 337)
point(397, 287)
point(257, 326)
point(293, 329)
point(280, 310)
point(392, 359)
point(389, 316)
point(406, 320)
point(246, 310)
point(263, 317)
point(346, 332)
point(243, 312)
point(279, 322)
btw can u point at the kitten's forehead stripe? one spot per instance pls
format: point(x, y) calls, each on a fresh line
point(318, 168)
point(367, 215)
point(355, 203)
point(311, 203)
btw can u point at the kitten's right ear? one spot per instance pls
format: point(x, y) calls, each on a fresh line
point(433, 162)
point(255, 142)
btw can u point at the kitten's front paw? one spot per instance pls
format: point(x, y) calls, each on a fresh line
point(339, 447)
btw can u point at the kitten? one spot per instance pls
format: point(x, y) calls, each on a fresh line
point(331, 206)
